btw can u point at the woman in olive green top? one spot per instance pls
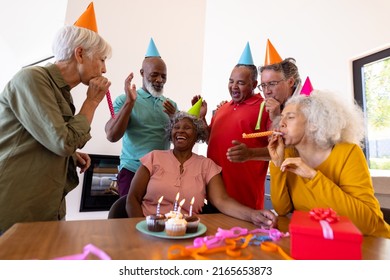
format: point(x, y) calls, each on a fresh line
point(40, 131)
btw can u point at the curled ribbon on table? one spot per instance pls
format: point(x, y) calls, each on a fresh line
point(325, 216)
point(230, 241)
point(235, 232)
point(272, 247)
point(232, 247)
point(87, 250)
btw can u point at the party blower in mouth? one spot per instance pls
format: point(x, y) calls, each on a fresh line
point(260, 134)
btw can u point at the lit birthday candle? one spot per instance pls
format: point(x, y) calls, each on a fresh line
point(181, 204)
point(176, 200)
point(158, 205)
point(191, 203)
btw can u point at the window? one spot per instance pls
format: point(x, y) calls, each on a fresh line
point(371, 77)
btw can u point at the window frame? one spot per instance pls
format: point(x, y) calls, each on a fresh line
point(359, 88)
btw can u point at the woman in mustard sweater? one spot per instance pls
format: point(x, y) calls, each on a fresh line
point(318, 162)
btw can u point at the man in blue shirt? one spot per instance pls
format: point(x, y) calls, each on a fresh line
point(141, 117)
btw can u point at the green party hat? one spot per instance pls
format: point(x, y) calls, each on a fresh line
point(195, 109)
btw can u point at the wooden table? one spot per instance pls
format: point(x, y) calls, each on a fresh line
point(120, 239)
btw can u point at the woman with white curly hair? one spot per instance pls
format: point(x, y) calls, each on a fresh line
point(318, 162)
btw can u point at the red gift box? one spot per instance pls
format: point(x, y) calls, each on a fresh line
point(315, 240)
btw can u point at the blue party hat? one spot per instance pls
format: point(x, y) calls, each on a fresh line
point(152, 49)
point(246, 56)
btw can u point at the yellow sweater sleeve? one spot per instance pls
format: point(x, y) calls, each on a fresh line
point(343, 182)
point(280, 197)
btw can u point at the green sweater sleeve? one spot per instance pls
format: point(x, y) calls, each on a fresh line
point(46, 111)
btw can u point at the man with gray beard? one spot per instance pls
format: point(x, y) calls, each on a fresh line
point(141, 117)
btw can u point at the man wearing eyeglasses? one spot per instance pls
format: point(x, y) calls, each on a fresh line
point(279, 81)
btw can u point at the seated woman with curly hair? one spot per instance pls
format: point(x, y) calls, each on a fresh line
point(166, 173)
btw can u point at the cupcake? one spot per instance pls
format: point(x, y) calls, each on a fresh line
point(192, 224)
point(174, 214)
point(175, 226)
point(155, 222)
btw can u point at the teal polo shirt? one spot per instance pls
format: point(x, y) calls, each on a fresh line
point(146, 130)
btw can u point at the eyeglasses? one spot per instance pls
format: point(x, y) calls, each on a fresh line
point(270, 85)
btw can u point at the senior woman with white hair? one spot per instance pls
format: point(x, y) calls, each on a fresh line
point(41, 131)
point(317, 162)
point(169, 172)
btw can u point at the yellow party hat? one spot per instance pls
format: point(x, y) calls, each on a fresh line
point(195, 109)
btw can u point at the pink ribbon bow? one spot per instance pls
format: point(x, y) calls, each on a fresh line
point(325, 216)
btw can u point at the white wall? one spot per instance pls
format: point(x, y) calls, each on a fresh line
point(323, 36)
point(26, 33)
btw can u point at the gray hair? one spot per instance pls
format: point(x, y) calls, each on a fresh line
point(329, 120)
point(288, 67)
point(200, 126)
point(68, 38)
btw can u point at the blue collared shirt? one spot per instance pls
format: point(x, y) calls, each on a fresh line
point(146, 130)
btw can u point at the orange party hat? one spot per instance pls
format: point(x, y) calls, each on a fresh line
point(88, 19)
point(271, 55)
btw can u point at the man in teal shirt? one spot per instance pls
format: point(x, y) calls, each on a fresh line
point(141, 117)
